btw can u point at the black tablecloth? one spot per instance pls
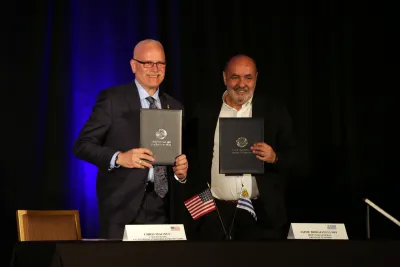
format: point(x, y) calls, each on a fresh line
point(184, 253)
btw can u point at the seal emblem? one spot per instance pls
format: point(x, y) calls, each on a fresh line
point(161, 134)
point(241, 142)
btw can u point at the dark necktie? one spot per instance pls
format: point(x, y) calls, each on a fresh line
point(160, 172)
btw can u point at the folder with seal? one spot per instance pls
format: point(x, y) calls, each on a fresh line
point(161, 132)
point(236, 136)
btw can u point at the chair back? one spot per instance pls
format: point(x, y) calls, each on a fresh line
point(39, 225)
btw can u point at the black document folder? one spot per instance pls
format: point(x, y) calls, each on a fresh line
point(161, 132)
point(236, 136)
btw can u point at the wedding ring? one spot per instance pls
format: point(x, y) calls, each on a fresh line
point(140, 161)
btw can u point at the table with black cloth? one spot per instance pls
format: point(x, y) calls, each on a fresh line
point(188, 253)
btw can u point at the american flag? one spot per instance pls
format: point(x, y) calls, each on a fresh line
point(200, 204)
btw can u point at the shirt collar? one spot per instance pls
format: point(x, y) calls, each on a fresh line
point(143, 93)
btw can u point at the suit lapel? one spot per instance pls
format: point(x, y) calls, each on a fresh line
point(258, 106)
point(132, 96)
point(133, 99)
point(208, 121)
point(163, 99)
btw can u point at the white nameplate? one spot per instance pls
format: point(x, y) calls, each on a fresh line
point(154, 232)
point(317, 231)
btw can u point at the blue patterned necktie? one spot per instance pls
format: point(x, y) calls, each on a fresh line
point(160, 172)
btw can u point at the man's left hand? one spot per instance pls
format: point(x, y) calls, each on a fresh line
point(264, 152)
point(181, 167)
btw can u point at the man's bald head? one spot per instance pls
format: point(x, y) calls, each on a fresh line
point(240, 77)
point(144, 45)
point(148, 64)
point(233, 60)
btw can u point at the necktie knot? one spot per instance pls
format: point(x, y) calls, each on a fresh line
point(150, 99)
point(152, 102)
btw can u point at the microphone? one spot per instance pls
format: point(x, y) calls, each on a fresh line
point(381, 211)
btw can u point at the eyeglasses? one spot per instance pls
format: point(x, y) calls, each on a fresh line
point(149, 64)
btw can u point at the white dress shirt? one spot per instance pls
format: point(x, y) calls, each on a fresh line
point(229, 187)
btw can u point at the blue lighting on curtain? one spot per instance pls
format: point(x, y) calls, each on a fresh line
point(103, 35)
point(102, 39)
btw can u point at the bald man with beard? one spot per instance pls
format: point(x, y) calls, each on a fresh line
point(110, 140)
point(266, 191)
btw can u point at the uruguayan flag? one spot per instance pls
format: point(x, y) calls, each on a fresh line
point(245, 203)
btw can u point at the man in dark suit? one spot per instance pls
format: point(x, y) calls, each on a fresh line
point(265, 191)
point(130, 190)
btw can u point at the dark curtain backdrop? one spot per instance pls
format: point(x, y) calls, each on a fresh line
point(333, 63)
